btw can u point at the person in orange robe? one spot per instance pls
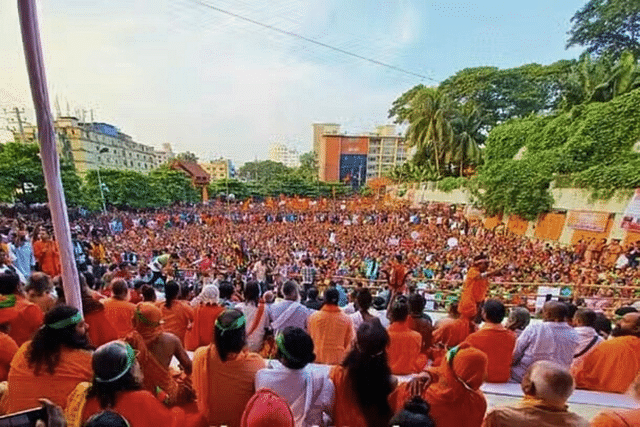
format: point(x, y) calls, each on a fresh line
point(474, 289)
point(496, 341)
point(454, 393)
point(614, 418)
point(29, 317)
point(177, 315)
point(46, 253)
point(118, 310)
point(101, 331)
point(419, 321)
point(155, 350)
point(8, 346)
point(39, 290)
point(404, 344)
point(331, 330)
point(224, 372)
point(204, 318)
point(613, 364)
point(452, 330)
point(52, 365)
point(363, 383)
point(116, 388)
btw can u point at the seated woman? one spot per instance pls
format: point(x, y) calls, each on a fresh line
point(224, 372)
point(117, 387)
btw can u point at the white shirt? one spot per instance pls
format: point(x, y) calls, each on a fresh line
point(296, 315)
point(553, 341)
point(255, 340)
point(304, 389)
point(586, 334)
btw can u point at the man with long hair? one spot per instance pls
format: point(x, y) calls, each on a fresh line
point(117, 387)
point(176, 314)
point(53, 364)
point(224, 372)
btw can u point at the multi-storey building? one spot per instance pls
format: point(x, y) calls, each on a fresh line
point(357, 158)
point(320, 129)
point(97, 145)
point(218, 169)
point(290, 157)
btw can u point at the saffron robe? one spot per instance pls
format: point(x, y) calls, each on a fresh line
point(497, 342)
point(404, 349)
point(332, 332)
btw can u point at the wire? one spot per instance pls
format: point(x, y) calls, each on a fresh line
point(316, 42)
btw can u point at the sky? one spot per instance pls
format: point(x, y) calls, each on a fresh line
point(178, 71)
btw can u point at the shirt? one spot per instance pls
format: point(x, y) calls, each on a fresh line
point(308, 392)
point(586, 334)
point(553, 341)
point(295, 314)
point(24, 260)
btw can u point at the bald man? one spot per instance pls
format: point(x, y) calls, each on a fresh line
point(617, 418)
point(553, 340)
point(613, 364)
point(547, 386)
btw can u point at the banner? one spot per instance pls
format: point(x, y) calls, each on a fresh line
point(590, 221)
point(631, 219)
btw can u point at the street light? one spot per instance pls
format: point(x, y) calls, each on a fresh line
point(104, 206)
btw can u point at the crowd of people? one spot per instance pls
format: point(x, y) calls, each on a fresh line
point(311, 318)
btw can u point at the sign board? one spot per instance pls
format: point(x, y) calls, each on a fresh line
point(543, 293)
point(631, 219)
point(590, 221)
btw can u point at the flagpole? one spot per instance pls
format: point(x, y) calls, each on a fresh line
point(48, 151)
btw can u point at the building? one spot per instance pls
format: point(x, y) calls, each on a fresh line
point(164, 155)
point(219, 169)
point(290, 157)
point(320, 129)
point(357, 158)
point(97, 145)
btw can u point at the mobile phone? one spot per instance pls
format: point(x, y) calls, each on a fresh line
point(26, 418)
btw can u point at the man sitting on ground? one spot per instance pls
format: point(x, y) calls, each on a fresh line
point(308, 392)
point(289, 312)
point(118, 309)
point(331, 330)
point(584, 321)
point(496, 341)
point(419, 321)
point(51, 365)
point(451, 330)
point(404, 347)
point(29, 317)
point(553, 340)
point(613, 364)
point(547, 387)
point(155, 350)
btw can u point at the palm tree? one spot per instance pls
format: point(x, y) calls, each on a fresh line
point(430, 131)
point(468, 126)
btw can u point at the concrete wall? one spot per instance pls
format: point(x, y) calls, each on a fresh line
point(565, 199)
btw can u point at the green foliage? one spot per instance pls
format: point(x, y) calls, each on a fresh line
point(508, 93)
point(607, 26)
point(187, 156)
point(262, 171)
point(451, 183)
point(590, 146)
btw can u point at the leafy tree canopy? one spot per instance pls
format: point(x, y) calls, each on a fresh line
point(262, 170)
point(607, 26)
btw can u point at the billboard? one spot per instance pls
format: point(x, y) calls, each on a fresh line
point(353, 169)
point(589, 221)
point(354, 145)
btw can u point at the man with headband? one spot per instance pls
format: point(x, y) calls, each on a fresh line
point(155, 349)
point(224, 372)
point(53, 364)
point(308, 392)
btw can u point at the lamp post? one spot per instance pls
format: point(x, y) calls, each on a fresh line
point(104, 206)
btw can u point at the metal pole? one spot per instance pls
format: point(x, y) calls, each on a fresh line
point(104, 206)
point(48, 151)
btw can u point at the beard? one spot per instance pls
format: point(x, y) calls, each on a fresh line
point(617, 331)
point(80, 341)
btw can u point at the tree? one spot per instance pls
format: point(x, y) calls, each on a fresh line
point(468, 137)
point(187, 156)
point(508, 93)
point(309, 166)
point(262, 170)
point(607, 26)
point(600, 79)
